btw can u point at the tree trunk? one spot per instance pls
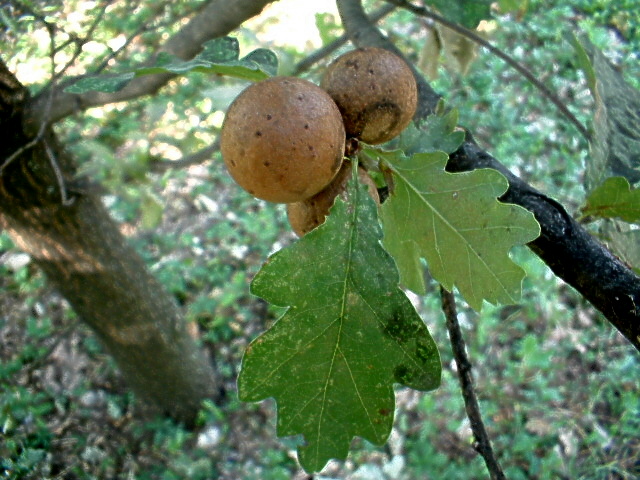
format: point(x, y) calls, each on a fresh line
point(70, 235)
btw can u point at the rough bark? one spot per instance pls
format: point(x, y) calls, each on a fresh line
point(570, 251)
point(83, 254)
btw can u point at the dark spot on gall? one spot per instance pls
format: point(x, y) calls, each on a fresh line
point(258, 133)
point(269, 117)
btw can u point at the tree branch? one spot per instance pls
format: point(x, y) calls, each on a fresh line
point(195, 158)
point(524, 71)
point(482, 443)
point(331, 47)
point(215, 19)
point(575, 256)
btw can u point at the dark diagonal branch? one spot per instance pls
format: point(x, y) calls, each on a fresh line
point(569, 250)
point(463, 365)
point(195, 158)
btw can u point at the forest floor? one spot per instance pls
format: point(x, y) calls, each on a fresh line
point(66, 413)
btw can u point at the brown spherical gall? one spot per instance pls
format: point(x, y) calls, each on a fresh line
point(306, 215)
point(375, 91)
point(283, 139)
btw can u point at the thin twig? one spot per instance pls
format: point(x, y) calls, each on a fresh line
point(79, 43)
point(200, 156)
point(524, 71)
point(52, 28)
point(332, 46)
point(41, 129)
point(114, 53)
point(66, 200)
point(17, 153)
point(482, 442)
point(144, 28)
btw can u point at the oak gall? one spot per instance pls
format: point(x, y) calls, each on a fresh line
point(283, 139)
point(306, 215)
point(375, 91)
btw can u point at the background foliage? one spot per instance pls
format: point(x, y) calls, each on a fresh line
point(558, 385)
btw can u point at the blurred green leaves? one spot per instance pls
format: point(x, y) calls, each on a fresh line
point(614, 147)
point(614, 199)
point(436, 133)
point(615, 142)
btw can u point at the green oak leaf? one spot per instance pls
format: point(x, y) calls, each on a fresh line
point(348, 335)
point(467, 13)
point(614, 199)
point(102, 83)
point(436, 133)
point(456, 223)
point(219, 56)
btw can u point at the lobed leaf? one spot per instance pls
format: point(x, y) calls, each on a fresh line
point(614, 199)
point(219, 56)
point(348, 335)
point(436, 133)
point(103, 83)
point(456, 223)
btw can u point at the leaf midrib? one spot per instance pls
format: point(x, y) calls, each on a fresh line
point(348, 265)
